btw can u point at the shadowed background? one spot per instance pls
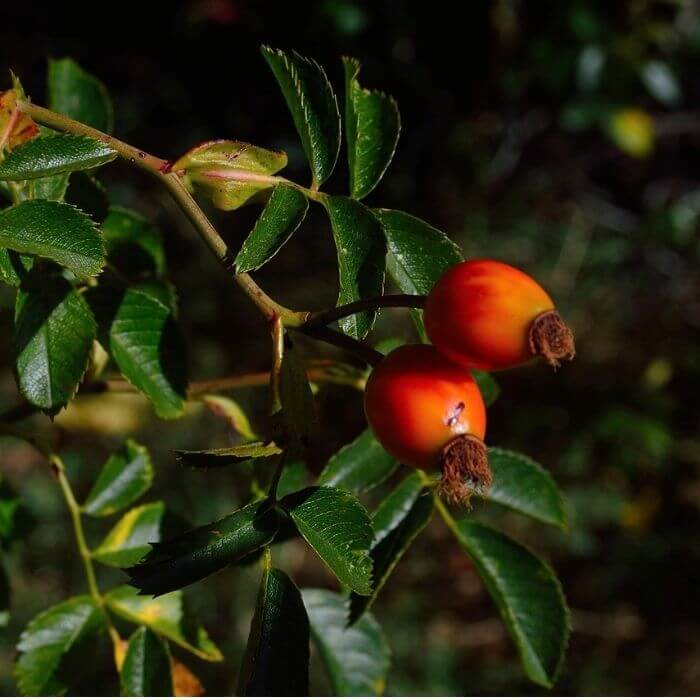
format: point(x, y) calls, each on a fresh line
point(562, 138)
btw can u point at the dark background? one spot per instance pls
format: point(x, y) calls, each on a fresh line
point(507, 145)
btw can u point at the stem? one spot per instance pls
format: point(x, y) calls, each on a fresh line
point(171, 181)
point(272, 491)
point(328, 335)
point(277, 357)
point(323, 318)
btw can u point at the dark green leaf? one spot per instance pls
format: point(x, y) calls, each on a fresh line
point(142, 336)
point(527, 594)
point(338, 528)
point(226, 456)
point(361, 259)
point(50, 636)
point(356, 658)
point(14, 266)
point(79, 95)
point(523, 485)
point(55, 154)
point(129, 540)
point(56, 231)
point(397, 522)
point(276, 661)
point(283, 213)
point(359, 466)
point(488, 386)
point(294, 477)
point(87, 193)
point(167, 616)
point(124, 478)
point(418, 253)
point(161, 291)
point(53, 187)
point(134, 244)
point(196, 554)
point(54, 332)
point(313, 106)
point(146, 668)
point(372, 126)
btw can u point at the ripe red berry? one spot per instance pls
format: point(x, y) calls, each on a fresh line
point(428, 413)
point(488, 315)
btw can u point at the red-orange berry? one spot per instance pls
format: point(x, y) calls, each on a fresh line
point(488, 315)
point(428, 413)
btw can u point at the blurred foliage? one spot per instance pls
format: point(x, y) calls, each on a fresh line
point(562, 138)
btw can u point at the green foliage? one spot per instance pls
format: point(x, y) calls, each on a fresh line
point(337, 527)
point(56, 231)
point(372, 126)
point(13, 267)
point(53, 155)
point(357, 658)
point(146, 668)
point(282, 215)
point(226, 456)
point(314, 108)
point(54, 332)
point(276, 660)
point(124, 478)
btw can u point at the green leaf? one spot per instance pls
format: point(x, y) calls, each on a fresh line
point(87, 193)
point(79, 95)
point(418, 252)
point(129, 540)
point(53, 187)
point(196, 554)
point(56, 231)
point(523, 485)
point(283, 213)
point(398, 521)
point(142, 336)
point(527, 594)
point(146, 668)
point(338, 528)
point(55, 154)
point(276, 660)
point(230, 173)
point(48, 638)
point(167, 616)
point(488, 386)
point(359, 466)
point(124, 478)
point(294, 477)
point(356, 658)
point(230, 410)
point(14, 266)
point(361, 259)
point(226, 456)
point(372, 126)
point(134, 244)
point(54, 332)
point(313, 106)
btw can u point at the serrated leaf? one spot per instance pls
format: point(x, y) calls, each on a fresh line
point(523, 485)
point(168, 616)
point(397, 522)
point(230, 410)
point(79, 95)
point(356, 658)
point(146, 668)
point(359, 466)
point(54, 332)
point(196, 554)
point(338, 528)
point(134, 244)
point(129, 540)
point(488, 386)
point(276, 660)
point(284, 211)
point(124, 478)
point(54, 230)
point(418, 252)
point(313, 106)
point(361, 259)
point(87, 193)
point(14, 266)
point(372, 126)
point(55, 154)
point(48, 638)
point(527, 594)
point(226, 456)
point(230, 173)
point(142, 336)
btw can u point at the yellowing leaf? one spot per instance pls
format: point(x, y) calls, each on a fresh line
point(632, 130)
